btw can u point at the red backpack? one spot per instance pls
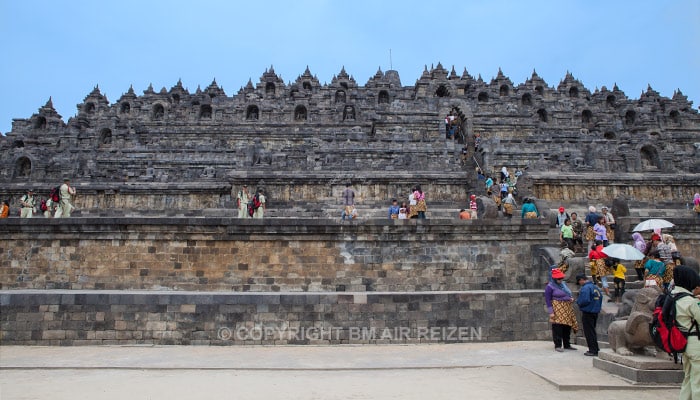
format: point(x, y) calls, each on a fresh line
point(664, 328)
point(55, 194)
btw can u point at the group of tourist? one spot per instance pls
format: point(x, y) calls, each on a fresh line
point(57, 205)
point(249, 206)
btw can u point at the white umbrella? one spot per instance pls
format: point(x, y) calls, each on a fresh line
point(623, 252)
point(651, 224)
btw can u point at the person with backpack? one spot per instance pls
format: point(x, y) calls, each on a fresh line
point(686, 291)
point(590, 301)
point(27, 202)
point(259, 204)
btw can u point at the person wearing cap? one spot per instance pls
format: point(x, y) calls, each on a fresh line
point(687, 289)
point(590, 301)
point(609, 223)
point(561, 217)
point(559, 302)
point(66, 193)
point(242, 199)
point(27, 202)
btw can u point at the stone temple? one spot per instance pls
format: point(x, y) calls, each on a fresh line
point(155, 255)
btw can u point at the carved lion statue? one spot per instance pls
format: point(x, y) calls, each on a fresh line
point(630, 334)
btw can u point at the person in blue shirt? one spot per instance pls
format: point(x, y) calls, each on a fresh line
point(394, 209)
point(589, 301)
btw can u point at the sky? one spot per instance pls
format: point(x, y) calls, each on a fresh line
point(63, 49)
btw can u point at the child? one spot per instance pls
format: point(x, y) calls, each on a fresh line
point(619, 272)
point(403, 211)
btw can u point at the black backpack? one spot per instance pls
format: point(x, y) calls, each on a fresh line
point(664, 328)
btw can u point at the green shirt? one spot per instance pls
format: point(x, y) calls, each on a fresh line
point(567, 232)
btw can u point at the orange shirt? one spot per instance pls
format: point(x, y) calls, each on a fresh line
point(5, 211)
point(465, 215)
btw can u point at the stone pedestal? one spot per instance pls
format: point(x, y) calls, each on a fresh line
point(639, 368)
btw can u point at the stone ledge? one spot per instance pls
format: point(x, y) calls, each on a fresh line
point(638, 375)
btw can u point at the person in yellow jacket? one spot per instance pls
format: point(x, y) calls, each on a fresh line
point(619, 272)
point(687, 316)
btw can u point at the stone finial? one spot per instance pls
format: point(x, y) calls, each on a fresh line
point(49, 104)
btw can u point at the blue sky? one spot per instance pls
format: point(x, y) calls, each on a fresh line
point(64, 48)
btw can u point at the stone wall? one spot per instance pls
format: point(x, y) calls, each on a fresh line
point(58, 317)
point(226, 254)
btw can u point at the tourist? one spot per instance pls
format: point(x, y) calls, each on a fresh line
point(599, 269)
point(504, 174)
point(687, 314)
point(349, 213)
point(496, 197)
point(590, 220)
point(348, 195)
point(601, 233)
point(671, 242)
point(472, 204)
point(4, 209)
point(559, 301)
point(50, 208)
point(509, 206)
point(480, 174)
point(562, 216)
point(654, 270)
point(640, 245)
point(260, 211)
point(566, 235)
point(65, 207)
point(610, 225)
point(589, 301)
point(242, 199)
point(477, 141)
point(504, 189)
point(420, 207)
point(619, 272)
point(488, 183)
point(403, 211)
point(394, 209)
point(666, 256)
point(577, 226)
point(696, 205)
point(529, 210)
point(465, 214)
point(465, 154)
point(412, 202)
point(27, 202)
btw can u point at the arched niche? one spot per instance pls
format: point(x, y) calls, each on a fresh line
point(23, 167)
point(205, 111)
point(105, 138)
point(504, 90)
point(300, 113)
point(610, 100)
point(586, 117)
point(630, 117)
point(675, 116)
point(40, 123)
point(125, 108)
point(306, 85)
point(442, 91)
point(483, 97)
point(539, 90)
point(90, 108)
point(542, 115)
point(340, 96)
point(176, 98)
point(252, 113)
point(349, 113)
point(609, 135)
point(649, 158)
point(158, 112)
point(383, 97)
point(573, 92)
point(526, 99)
point(270, 89)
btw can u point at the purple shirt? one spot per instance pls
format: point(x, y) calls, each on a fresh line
point(553, 292)
point(600, 232)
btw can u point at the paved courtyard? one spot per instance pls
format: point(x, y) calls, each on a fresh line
point(520, 370)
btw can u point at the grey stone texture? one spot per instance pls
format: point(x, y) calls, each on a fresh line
point(174, 149)
point(115, 317)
